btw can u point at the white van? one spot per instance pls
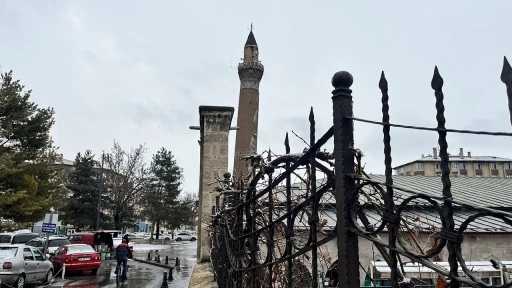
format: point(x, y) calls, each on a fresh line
point(17, 237)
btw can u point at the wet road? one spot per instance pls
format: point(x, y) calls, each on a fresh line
point(139, 274)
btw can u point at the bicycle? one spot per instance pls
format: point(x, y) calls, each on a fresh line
point(119, 274)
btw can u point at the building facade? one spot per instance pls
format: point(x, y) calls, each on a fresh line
point(460, 165)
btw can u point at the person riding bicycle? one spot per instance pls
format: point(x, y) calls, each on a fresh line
point(122, 254)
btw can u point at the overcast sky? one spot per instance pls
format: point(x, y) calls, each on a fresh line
point(137, 71)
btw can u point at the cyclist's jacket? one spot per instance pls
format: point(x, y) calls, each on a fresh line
point(123, 251)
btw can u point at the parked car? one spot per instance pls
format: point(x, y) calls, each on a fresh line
point(53, 243)
point(77, 257)
point(22, 264)
point(132, 236)
point(183, 236)
point(18, 237)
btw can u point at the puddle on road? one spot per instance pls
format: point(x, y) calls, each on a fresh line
point(137, 277)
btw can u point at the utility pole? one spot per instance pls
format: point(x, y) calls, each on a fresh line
point(100, 192)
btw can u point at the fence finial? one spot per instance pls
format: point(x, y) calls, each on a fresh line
point(287, 144)
point(383, 83)
point(506, 73)
point(506, 77)
point(342, 79)
point(437, 80)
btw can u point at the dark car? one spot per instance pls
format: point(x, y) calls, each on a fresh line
point(131, 237)
point(53, 243)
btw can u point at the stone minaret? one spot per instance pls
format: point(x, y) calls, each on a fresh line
point(250, 72)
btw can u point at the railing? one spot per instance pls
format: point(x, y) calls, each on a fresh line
point(278, 227)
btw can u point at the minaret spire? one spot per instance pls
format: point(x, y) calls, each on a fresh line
point(250, 72)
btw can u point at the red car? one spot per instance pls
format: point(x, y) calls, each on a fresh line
point(77, 257)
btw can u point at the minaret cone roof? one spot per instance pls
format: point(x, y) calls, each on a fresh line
point(251, 41)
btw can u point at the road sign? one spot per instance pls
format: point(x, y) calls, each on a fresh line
point(49, 228)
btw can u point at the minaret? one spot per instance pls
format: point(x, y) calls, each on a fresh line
point(250, 72)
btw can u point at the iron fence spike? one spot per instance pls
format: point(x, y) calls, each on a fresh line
point(506, 73)
point(506, 77)
point(287, 143)
point(383, 83)
point(437, 80)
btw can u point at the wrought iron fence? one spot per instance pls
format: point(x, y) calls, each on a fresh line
point(273, 228)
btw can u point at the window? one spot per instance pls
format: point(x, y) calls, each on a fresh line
point(494, 166)
point(39, 256)
point(438, 167)
point(455, 165)
point(80, 249)
point(27, 254)
point(478, 166)
point(58, 242)
point(24, 238)
point(59, 251)
point(508, 166)
point(34, 243)
point(5, 238)
point(462, 165)
point(8, 252)
point(418, 166)
point(496, 280)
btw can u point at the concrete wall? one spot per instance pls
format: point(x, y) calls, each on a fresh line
point(215, 122)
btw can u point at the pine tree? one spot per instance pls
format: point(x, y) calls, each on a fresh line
point(162, 189)
point(82, 202)
point(29, 178)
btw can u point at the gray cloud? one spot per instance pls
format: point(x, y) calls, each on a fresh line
point(137, 73)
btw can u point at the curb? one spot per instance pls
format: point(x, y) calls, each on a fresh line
point(153, 263)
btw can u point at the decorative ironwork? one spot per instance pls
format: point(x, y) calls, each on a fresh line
point(272, 229)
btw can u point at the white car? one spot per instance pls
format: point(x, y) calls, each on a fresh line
point(184, 236)
point(21, 264)
point(54, 243)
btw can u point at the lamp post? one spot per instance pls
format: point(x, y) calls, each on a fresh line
point(98, 216)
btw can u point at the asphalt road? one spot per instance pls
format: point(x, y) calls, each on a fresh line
point(139, 274)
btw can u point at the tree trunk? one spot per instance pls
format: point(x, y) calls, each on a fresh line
point(157, 229)
point(117, 223)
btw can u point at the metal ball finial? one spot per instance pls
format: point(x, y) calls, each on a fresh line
point(227, 175)
point(342, 79)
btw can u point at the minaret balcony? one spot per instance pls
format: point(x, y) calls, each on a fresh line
point(250, 65)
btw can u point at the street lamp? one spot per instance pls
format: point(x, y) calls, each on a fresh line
point(100, 192)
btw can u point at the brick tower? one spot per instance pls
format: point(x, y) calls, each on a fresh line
point(250, 72)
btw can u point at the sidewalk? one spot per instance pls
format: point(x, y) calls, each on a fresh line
point(184, 251)
point(202, 277)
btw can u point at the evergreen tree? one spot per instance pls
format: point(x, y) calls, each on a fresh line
point(82, 202)
point(29, 178)
point(162, 189)
point(183, 212)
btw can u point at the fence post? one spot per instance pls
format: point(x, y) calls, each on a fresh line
point(239, 243)
point(313, 219)
point(289, 223)
point(348, 250)
point(448, 232)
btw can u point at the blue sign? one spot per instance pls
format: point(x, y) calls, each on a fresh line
point(49, 228)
